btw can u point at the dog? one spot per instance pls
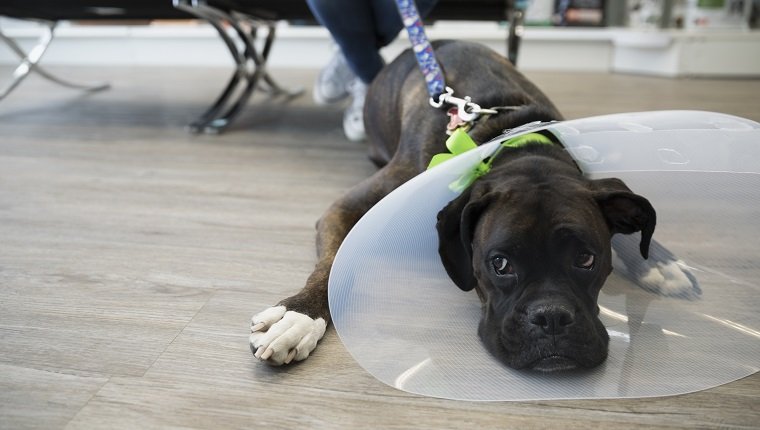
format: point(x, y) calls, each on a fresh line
point(532, 237)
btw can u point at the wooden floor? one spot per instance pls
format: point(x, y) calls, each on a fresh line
point(132, 256)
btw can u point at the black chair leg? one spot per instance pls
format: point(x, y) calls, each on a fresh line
point(250, 65)
point(514, 38)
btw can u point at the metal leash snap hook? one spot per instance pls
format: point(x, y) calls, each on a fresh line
point(442, 98)
point(467, 110)
point(463, 105)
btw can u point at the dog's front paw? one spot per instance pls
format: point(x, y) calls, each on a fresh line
point(670, 278)
point(662, 273)
point(279, 336)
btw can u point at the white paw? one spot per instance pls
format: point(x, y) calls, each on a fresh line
point(279, 336)
point(670, 279)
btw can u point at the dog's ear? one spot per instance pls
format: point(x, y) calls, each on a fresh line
point(456, 223)
point(625, 212)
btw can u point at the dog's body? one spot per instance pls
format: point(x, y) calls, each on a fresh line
point(532, 237)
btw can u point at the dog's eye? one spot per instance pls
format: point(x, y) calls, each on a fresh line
point(585, 261)
point(502, 266)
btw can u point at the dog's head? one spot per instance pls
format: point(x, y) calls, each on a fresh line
point(537, 251)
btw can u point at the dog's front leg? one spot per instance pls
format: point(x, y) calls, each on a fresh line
point(662, 273)
point(290, 331)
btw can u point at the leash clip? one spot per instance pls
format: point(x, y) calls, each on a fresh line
point(466, 109)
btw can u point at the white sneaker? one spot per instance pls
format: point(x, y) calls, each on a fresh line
point(333, 81)
point(353, 117)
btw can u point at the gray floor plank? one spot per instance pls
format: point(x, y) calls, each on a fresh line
point(31, 398)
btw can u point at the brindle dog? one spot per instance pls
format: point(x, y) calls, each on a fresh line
point(532, 237)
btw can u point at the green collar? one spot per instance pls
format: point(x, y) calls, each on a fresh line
point(460, 142)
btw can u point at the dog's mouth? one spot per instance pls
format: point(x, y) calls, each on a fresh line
point(554, 363)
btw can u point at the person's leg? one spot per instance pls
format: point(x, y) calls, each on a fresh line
point(352, 25)
point(388, 21)
point(361, 28)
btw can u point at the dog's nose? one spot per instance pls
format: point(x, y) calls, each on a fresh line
point(552, 319)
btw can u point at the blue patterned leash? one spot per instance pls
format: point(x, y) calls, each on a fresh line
point(422, 48)
point(440, 94)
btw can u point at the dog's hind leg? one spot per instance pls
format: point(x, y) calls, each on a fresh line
point(290, 330)
point(662, 273)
